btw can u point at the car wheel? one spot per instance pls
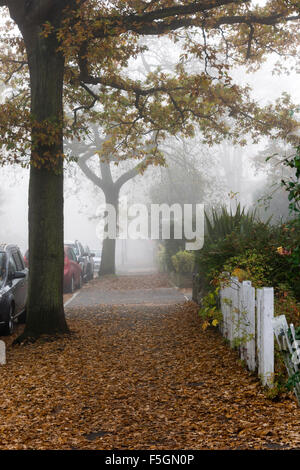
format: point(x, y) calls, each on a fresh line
point(9, 324)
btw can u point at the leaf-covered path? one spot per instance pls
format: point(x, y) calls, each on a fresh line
point(138, 377)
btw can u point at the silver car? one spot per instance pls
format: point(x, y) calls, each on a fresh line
point(97, 259)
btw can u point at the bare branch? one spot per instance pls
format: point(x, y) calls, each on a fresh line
point(82, 163)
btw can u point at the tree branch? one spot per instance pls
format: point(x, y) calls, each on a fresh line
point(130, 173)
point(82, 163)
point(178, 16)
point(145, 23)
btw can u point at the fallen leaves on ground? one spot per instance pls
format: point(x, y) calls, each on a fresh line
point(138, 378)
point(113, 282)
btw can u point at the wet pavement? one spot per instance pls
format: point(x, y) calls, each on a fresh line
point(158, 296)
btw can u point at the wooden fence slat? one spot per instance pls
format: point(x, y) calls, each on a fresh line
point(2, 353)
point(267, 336)
point(287, 349)
point(247, 317)
point(248, 293)
point(259, 355)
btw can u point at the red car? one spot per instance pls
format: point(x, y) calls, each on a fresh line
point(73, 276)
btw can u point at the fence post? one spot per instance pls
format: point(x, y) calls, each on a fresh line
point(266, 347)
point(247, 320)
point(2, 353)
point(224, 308)
point(258, 331)
point(234, 311)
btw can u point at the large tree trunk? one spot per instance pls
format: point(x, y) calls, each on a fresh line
point(108, 258)
point(45, 311)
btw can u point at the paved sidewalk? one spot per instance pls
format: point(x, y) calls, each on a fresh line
point(161, 296)
point(100, 293)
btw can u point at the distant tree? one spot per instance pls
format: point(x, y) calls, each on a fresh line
point(188, 176)
point(270, 196)
point(101, 176)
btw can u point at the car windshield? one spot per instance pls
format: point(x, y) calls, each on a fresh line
point(2, 267)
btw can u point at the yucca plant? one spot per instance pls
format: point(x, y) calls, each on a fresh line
point(222, 222)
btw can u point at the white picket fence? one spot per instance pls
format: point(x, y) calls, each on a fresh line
point(247, 324)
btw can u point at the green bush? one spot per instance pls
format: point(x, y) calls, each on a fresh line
point(256, 266)
point(183, 261)
point(172, 247)
point(264, 251)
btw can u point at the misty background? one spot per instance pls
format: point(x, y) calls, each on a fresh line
point(209, 173)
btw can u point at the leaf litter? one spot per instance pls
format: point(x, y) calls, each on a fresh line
point(138, 377)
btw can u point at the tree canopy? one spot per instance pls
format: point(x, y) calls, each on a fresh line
point(98, 39)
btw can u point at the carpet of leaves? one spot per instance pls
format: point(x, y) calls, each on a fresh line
point(138, 378)
point(113, 282)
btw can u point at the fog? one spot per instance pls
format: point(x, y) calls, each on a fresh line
point(81, 205)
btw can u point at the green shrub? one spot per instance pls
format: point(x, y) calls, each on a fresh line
point(265, 252)
point(256, 266)
point(172, 247)
point(183, 261)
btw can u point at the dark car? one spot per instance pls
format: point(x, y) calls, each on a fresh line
point(72, 271)
point(91, 264)
point(82, 257)
point(13, 288)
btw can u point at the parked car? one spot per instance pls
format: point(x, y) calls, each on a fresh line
point(73, 276)
point(26, 259)
point(13, 288)
point(97, 259)
point(82, 257)
point(91, 263)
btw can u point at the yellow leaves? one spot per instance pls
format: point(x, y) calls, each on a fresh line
point(241, 274)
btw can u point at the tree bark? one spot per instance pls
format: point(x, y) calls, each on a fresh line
point(45, 310)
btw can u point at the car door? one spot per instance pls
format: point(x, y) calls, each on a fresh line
point(84, 261)
point(22, 284)
point(75, 266)
point(14, 284)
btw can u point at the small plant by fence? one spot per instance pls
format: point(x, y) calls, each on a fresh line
point(247, 324)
